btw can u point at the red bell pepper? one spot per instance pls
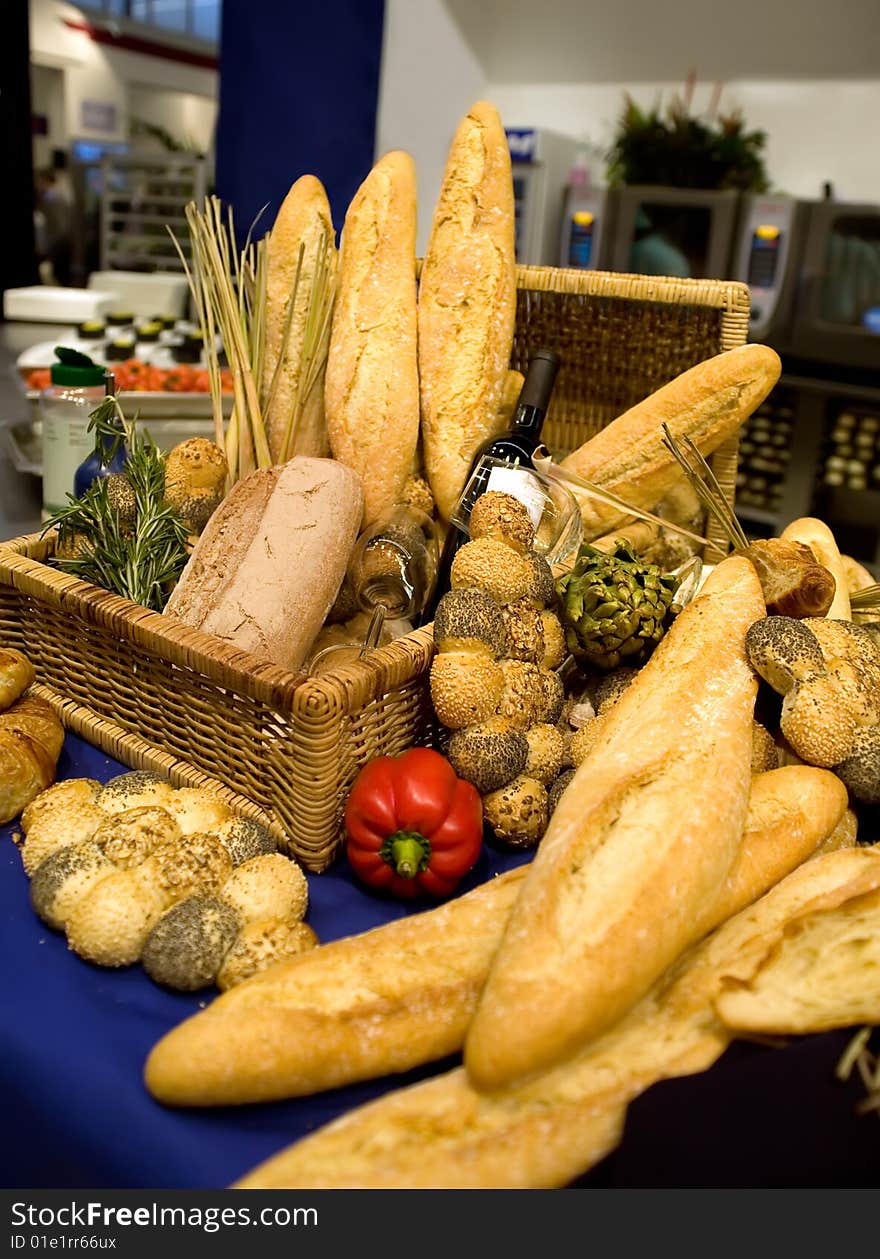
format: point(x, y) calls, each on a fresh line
point(413, 825)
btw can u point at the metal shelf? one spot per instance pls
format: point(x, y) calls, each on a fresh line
point(153, 182)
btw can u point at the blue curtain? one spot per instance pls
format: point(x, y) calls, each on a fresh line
point(299, 86)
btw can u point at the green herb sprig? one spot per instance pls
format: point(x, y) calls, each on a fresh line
point(140, 562)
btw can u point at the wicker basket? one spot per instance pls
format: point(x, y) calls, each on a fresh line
point(285, 749)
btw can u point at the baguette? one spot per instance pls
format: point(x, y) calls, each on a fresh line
point(303, 221)
point(371, 392)
point(823, 973)
point(707, 403)
point(300, 1027)
point(818, 537)
point(266, 570)
point(543, 1133)
point(640, 843)
point(467, 304)
point(385, 1001)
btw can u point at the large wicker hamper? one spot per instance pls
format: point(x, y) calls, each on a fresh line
point(285, 749)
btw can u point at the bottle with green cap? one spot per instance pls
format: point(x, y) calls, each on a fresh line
point(77, 386)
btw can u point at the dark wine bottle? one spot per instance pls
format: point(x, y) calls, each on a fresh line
point(515, 448)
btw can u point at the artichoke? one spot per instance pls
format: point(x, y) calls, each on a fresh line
point(614, 608)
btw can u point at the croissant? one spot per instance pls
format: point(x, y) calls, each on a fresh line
point(30, 744)
point(16, 675)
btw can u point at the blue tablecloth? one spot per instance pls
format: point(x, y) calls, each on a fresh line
point(74, 1039)
point(75, 1114)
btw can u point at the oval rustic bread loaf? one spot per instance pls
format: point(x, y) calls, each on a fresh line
point(467, 303)
point(707, 403)
point(371, 394)
point(266, 570)
point(303, 220)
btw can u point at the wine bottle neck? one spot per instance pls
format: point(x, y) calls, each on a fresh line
point(527, 421)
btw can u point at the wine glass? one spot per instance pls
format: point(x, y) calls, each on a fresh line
point(391, 572)
point(553, 508)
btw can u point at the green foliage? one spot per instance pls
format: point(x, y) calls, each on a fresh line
point(681, 151)
point(142, 560)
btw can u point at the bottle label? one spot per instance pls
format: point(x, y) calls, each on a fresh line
point(66, 443)
point(523, 485)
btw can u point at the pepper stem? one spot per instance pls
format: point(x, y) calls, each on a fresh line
point(408, 852)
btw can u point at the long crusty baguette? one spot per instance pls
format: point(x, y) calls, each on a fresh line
point(707, 403)
point(443, 1134)
point(302, 1026)
point(303, 222)
point(371, 392)
point(638, 847)
point(266, 570)
point(467, 303)
point(365, 1006)
point(818, 537)
point(824, 972)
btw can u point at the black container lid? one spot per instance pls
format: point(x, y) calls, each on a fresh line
point(149, 331)
point(186, 352)
point(120, 319)
point(119, 351)
point(90, 330)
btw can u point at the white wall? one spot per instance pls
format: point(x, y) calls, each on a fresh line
point(816, 129)
point(101, 74)
point(190, 119)
point(429, 79)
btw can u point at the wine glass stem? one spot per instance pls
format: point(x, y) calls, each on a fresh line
point(374, 629)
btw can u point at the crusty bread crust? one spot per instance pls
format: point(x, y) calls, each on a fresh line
point(707, 403)
point(265, 572)
point(301, 1027)
point(467, 303)
point(443, 1134)
point(371, 393)
point(304, 219)
point(637, 849)
point(384, 1001)
point(818, 537)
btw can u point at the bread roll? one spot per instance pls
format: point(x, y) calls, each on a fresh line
point(707, 403)
point(467, 304)
point(637, 849)
point(31, 737)
point(16, 675)
point(266, 570)
point(303, 221)
point(818, 537)
point(371, 393)
point(441, 1133)
point(304, 1029)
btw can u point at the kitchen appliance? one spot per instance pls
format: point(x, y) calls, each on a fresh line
point(837, 313)
point(585, 228)
point(767, 256)
point(673, 232)
point(541, 161)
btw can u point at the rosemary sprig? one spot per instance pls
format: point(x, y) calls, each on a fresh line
point(142, 561)
point(706, 487)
